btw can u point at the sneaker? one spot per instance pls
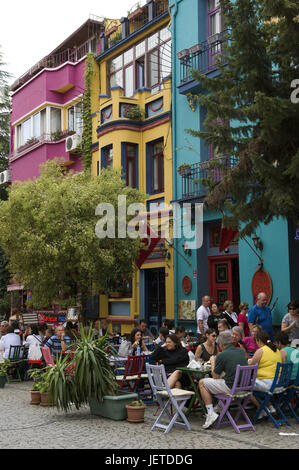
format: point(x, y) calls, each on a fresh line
point(272, 409)
point(210, 420)
point(262, 415)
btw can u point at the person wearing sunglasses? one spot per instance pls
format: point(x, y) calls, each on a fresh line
point(209, 348)
point(290, 322)
point(242, 318)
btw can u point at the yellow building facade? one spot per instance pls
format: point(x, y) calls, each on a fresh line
point(131, 118)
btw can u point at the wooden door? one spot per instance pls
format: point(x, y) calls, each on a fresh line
point(224, 282)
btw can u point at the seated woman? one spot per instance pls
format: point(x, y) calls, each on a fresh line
point(172, 354)
point(209, 348)
point(249, 341)
point(267, 357)
point(129, 347)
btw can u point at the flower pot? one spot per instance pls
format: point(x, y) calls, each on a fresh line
point(3, 381)
point(116, 294)
point(135, 413)
point(135, 14)
point(113, 407)
point(44, 399)
point(185, 171)
point(35, 397)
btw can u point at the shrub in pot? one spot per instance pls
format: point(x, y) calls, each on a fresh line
point(84, 376)
point(135, 411)
point(36, 375)
point(3, 372)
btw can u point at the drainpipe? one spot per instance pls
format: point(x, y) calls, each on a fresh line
point(173, 35)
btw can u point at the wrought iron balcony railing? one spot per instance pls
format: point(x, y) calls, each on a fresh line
point(202, 57)
point(191, 185)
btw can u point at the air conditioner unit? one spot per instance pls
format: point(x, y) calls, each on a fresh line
point(72, 142)
point(5, 177)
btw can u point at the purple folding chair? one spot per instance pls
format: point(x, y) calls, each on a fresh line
point(240, 395)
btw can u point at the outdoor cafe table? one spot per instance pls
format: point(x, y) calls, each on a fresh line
point(192, 375)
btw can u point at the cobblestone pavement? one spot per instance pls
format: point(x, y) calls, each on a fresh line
point(24, 426)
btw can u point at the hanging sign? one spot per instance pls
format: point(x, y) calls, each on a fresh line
point(261, 282)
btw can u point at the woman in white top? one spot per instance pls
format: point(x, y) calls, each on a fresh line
point(229, 314)
point(33, 341)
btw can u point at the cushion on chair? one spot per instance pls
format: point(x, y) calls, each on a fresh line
point(239, 394)
point(129, 377)
point(176, 392)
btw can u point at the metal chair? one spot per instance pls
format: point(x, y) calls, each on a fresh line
point(279, 386)
point(174, 397)
point(132, 374)
point(17, 358)
point(46, 352)
point(240, 395)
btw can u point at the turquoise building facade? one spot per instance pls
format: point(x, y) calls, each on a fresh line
point(236, 273)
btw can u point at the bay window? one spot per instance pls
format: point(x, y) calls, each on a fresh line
point(143, 65)
point(157, 167)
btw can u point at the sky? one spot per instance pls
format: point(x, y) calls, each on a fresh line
point(31, 29)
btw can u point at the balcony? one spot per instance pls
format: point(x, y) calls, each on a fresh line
point(203, 57)
point(191, 186)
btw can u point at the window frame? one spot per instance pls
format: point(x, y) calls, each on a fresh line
point(132, 158)
point(160, 159)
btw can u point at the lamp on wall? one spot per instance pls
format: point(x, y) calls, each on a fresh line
point(257, 242)
point(187, 250)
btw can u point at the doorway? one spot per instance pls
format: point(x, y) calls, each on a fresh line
point(155, 307)
point(224, 280)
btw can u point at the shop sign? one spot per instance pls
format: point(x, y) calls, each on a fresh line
point(261, 282)
point(187, 285)
point(47, 317)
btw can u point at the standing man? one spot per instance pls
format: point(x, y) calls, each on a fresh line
point(202, 315)
point(260, 314)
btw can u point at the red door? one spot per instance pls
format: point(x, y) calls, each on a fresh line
point(224, 281)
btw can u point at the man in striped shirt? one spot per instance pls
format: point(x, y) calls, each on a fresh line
point(58, 343)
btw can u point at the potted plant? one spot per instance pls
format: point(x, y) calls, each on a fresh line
point(135, 13)
point(88, 378)
point(135, 411)
point(3, 372)
point(184, 169)
point(134, 112)
point(36, 375)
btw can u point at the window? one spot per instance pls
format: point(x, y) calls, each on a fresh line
point(144, 65)
point(131, 164)
point(107, 157)
point(55, 119)
point(75, 118)
point(214, 17)
point(46, 121)
point(157, 167)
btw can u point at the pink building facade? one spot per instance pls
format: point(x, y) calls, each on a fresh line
point(46, 117)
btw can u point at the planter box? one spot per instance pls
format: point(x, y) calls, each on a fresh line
point(113, 407)
point(135, 14)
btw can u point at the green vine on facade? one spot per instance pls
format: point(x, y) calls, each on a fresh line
point(87, 120)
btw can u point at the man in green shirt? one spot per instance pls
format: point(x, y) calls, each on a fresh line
point(223, 371)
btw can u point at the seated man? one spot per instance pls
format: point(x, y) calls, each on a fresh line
point(58, 343)
point(225, 362)
point(147, 334)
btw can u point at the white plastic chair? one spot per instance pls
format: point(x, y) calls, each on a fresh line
point(174, 397)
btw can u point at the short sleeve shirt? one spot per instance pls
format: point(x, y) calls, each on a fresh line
point(294, 332)
point(227, 362)
point(262, 317)
point(203, 314)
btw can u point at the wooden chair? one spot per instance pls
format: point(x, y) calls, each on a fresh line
point(174, 397)
point(240, 395)
point(273, 396)
point(46, 352)
point(17, 358)
point(132, 374)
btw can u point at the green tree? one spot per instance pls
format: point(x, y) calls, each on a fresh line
point(48, 233)
point(250, 115)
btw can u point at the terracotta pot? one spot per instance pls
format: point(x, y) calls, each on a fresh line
point(44, 399)
point(135, 14)
point(116, 294)
point(35, 397)
point(135, 413)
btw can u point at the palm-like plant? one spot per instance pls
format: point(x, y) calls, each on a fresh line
point(87, 375)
